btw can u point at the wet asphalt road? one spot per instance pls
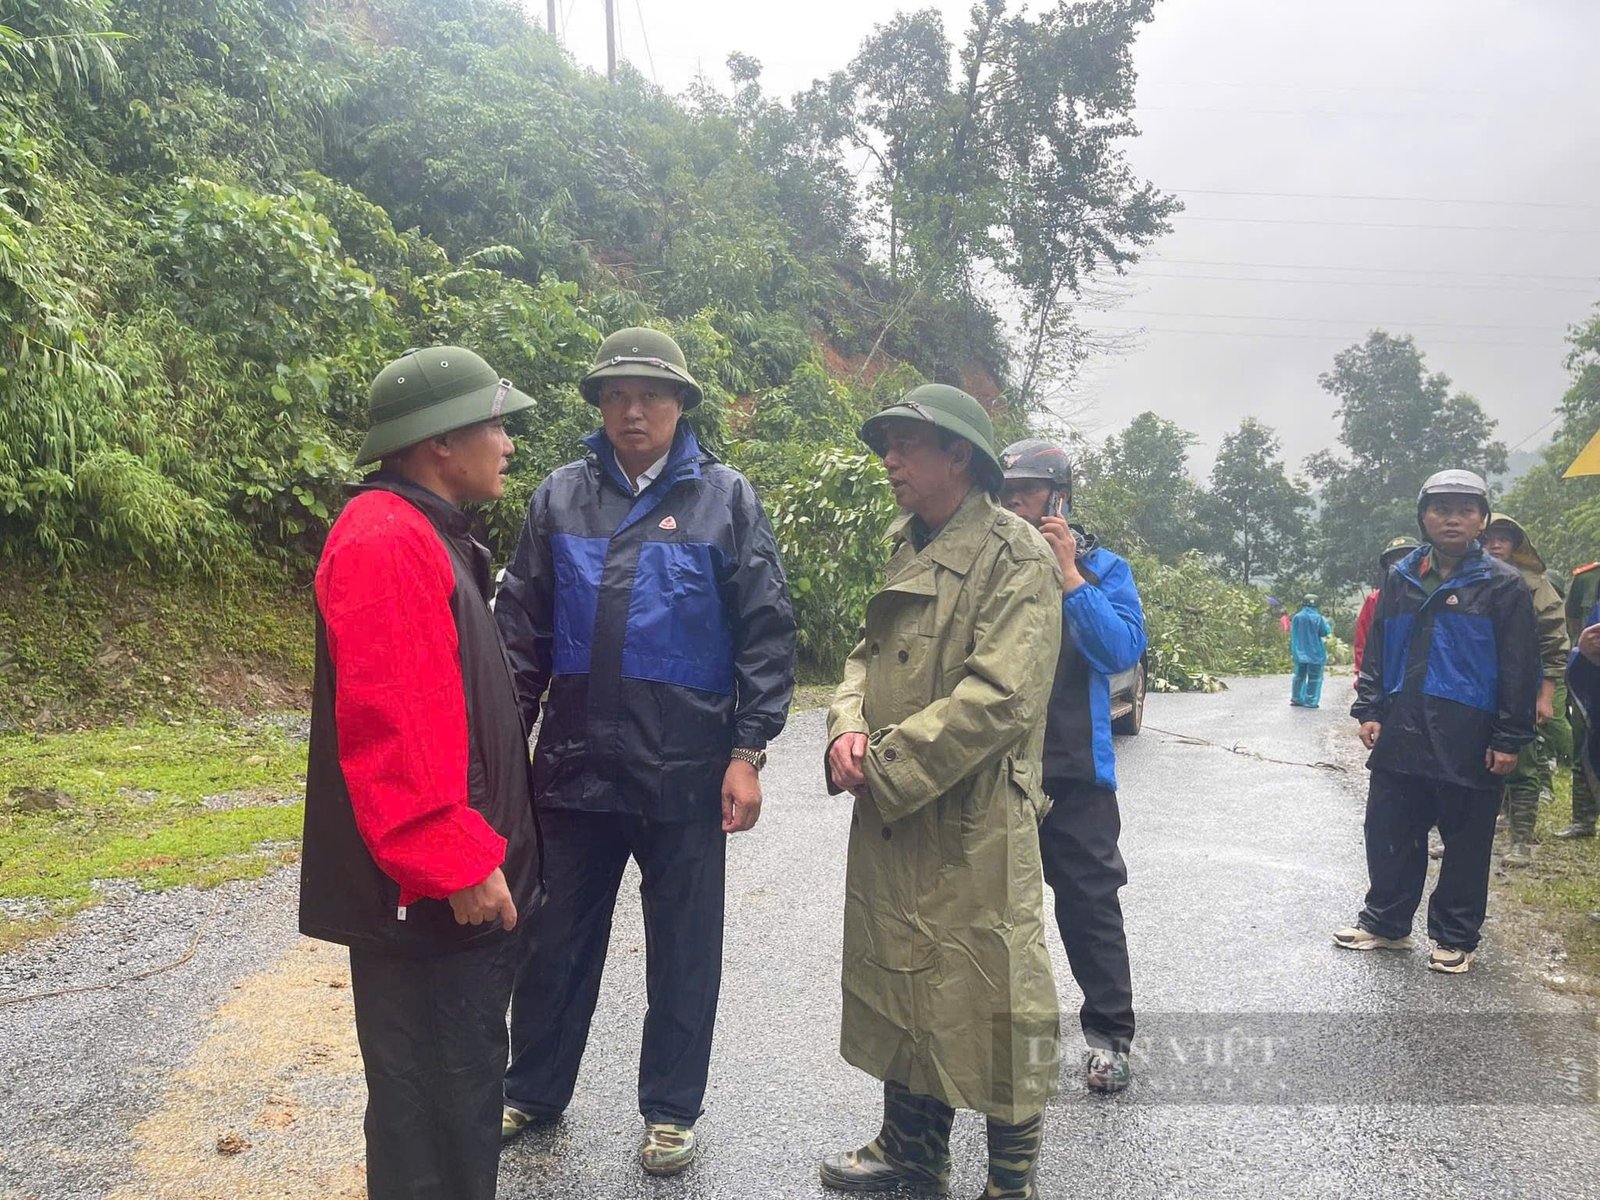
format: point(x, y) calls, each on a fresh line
point(1269, 1063)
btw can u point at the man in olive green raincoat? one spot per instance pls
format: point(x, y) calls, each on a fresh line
point(1508, 541)
point(938, 730)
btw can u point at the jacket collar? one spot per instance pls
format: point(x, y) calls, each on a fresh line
point(446, 517)
point(684, 460)
point(1475, 565)
point(957, 544)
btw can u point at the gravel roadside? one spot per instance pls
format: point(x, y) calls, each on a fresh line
point(80, 1071)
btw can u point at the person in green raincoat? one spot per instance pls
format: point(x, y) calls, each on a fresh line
point(938, 731)
point(1508, 541)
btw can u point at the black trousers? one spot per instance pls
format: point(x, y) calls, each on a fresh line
point(1084, 868)
point(433, 1042)
point(684, 870)
point(1400, 811)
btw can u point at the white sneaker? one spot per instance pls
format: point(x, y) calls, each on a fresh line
point(1353, 937)
point(1450, 961)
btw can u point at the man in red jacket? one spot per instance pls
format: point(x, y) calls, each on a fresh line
point(1396, 549)
point(421, 845)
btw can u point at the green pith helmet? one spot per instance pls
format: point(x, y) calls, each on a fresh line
point(1395, 549)
point(425, 393)
point(641, 353)
point(1309, 601)
point(950, 409)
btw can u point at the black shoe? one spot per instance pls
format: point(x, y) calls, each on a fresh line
point(1574, 831)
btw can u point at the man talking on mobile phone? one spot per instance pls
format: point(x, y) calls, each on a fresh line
point(1102, 635)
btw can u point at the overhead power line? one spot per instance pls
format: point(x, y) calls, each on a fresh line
point(1155, 312)
point(1311, 87)
point(1536, 433)
point(644, 34)
point(1541, 289)
point(1388, 225)
point(1387, 199)
point(1306, 337)
point(1365, 114)
point(1593, 277)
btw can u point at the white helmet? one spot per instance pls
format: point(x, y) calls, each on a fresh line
point(1454, 483)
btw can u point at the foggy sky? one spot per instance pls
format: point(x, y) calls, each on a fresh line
point(1470, 123)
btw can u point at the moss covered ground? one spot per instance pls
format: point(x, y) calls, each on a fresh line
point(154, 805)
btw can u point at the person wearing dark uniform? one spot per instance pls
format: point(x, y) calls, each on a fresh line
point(646, 594)
point(1102, 635)
point(421, 845)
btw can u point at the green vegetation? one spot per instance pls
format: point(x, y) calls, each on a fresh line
point(219, 217)
point(1563, 515)
point(157, 805)
point(103, 646)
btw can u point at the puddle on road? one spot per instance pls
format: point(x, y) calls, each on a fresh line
point(270, 1103)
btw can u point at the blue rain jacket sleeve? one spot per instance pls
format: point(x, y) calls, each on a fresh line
point(756, 597)
point(1106, 620)
point(1307, 630)
point(524, 608)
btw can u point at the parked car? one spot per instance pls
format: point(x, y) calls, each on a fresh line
point(1127, 699)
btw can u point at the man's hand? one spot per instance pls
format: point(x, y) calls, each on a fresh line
point(741, 797)
point(1545, 708)
point(1498, 762)
point(1589, 644)
point(845, 756)
point(1059, 534)
point(1369, 733)
point(486, 901)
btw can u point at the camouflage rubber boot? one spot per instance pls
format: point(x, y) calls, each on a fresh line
point(911, 1151)
point(1013, 1156)
point(1522, 797)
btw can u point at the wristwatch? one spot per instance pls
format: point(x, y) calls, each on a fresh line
point(756, 758)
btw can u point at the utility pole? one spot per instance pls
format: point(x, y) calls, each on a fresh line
point(611, 41)
point(550, 16)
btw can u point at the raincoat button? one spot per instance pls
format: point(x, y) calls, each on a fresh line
point(874, 647)
point(904, 656)
point(889, 755)
point(887, 834)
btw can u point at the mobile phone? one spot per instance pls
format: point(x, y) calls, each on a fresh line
point(1058, 505)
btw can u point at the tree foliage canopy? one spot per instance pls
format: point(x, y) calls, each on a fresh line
point(1565, 513)
point(1398, 424)
point(1253, 515)
point(218, 218)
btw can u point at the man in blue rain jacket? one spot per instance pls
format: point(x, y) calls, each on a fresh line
point(1306, 634)
point(646, 594)
point(1102, 635)
point(1446, 700)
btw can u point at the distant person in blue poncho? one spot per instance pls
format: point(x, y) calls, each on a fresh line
point(1306, 632)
